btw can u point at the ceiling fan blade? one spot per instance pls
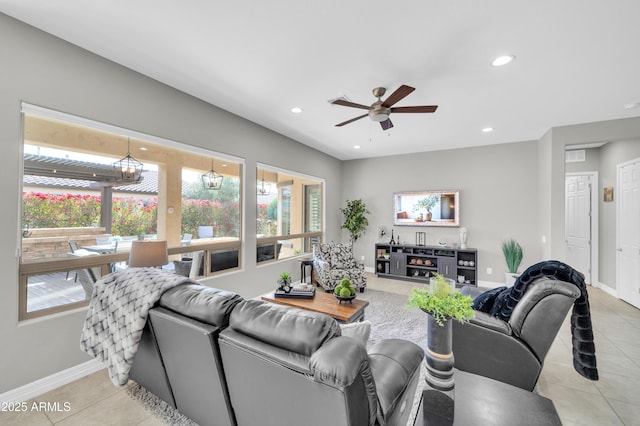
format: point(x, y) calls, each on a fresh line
point(424, 108)
point(398, 95)
point(386, 124)
point(349, 104)
point(351, 121)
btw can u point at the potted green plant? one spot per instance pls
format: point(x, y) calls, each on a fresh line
point(355, 220)
point(441, 303)
point(513, 253)
point(284, 282)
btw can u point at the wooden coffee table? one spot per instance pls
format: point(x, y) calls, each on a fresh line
point(325, 303)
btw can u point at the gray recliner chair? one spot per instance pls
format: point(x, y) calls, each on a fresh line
point(286, 366)
point(513, 352)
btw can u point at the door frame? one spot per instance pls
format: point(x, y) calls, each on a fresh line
point(595, 241)
point(617, 201)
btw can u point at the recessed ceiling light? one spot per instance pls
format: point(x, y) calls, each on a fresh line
point(356, 147)
point(487, 130)
point(502, 60)
point(144, 148)
point(296, 110)
point(632, 106)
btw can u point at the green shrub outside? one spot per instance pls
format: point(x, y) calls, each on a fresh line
point(131, 216)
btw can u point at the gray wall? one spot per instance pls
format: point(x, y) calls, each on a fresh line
point(42, 70)
point(498, 198)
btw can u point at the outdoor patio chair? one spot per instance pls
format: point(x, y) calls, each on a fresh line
point(87, 280)
point(78, 252)
point(205, 231)
point(186, 240)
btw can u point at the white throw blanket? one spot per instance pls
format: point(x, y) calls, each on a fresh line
point(118, 313)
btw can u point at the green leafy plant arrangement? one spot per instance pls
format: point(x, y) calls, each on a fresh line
point(512, 254)
point(442, 302)
point(285, 279)
point(345, 288)
point(354, 218)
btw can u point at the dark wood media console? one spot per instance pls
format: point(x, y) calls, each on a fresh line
point(419, 263)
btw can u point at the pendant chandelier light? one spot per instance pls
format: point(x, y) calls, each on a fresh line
point(263, 188)
point(128, 169)
point(212, 180)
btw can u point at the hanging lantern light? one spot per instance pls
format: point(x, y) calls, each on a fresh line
point(128, 169)
point(263, 187)
point(212, 180)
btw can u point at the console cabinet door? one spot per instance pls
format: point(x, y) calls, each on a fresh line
point(398, 264)
point(447, 267)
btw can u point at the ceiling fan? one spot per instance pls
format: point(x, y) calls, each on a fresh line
point(379, 111)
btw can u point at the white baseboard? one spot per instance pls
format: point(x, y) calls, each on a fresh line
point(489, 284)
point(40, 386)
point(610, 291)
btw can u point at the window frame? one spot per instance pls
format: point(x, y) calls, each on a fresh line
point(307, 237)
point(26, 269)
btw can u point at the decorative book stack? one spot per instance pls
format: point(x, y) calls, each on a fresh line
point(298, 291)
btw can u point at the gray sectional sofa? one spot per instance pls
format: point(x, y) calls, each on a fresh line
point(222, 360)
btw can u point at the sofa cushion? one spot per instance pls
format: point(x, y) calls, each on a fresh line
point(205, 304)
point(359, 331)
point(295, 330)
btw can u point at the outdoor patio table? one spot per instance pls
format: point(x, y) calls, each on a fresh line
point(101, 248)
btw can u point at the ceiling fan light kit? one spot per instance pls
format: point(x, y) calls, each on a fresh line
point(380, 111)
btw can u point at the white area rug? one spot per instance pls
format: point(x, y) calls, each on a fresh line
point(389, 319)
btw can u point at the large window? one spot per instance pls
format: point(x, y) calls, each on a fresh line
point(79, 216)
point(289, 213)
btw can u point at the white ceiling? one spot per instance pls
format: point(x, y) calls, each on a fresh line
point(576, 61)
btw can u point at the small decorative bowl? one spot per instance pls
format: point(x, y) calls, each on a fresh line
point(344, 299)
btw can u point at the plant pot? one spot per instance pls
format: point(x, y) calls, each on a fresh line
point(439, 407)
point(439, 355)
point(510, 278)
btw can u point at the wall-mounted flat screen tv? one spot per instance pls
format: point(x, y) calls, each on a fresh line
point(427, 208)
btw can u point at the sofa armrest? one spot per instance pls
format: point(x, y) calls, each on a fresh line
point(320, 265)
point(339, 362)
point(485, 320)
point(395, 365)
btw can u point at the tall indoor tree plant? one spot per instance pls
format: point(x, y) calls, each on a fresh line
point(355, 219)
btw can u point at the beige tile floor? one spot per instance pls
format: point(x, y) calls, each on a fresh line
point(613, 400)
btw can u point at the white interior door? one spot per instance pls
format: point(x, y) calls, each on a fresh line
point(628, 255)
point(578, 223)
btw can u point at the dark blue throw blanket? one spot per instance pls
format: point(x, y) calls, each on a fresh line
point(501, 301)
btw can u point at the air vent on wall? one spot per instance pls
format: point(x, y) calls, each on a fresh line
point(575, 156)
